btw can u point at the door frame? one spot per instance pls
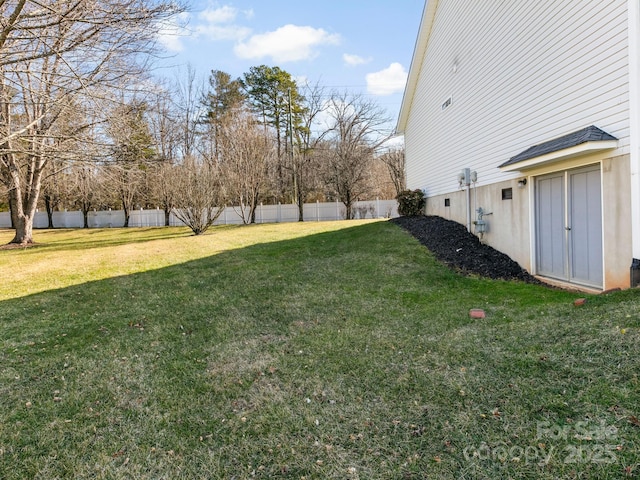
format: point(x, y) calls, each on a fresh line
point(567, 202)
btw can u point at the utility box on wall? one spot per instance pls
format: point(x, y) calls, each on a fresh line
point(481, 225)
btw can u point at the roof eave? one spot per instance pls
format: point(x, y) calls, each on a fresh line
point(581, 149)
point(419, 51)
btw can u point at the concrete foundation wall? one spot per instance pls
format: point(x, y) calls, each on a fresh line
point(511, 223)
point(616, 207)
point(507, 226)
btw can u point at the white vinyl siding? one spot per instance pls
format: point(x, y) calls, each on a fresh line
point(526, 72)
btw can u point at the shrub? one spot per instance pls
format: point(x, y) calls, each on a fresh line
point(411, 202)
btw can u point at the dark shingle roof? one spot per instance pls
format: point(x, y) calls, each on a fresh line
point(589, 134)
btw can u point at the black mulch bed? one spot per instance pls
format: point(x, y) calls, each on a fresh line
point(453, 245)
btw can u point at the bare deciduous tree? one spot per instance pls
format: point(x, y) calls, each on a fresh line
point(247, 154)
point(223, 99)
point(188, 112)
point(166, 135)
point(56, 55)
point(163, 188)
point(394, 160)
point(304, 161)
point(132, 150)
point(195, 185)
point(87, 188)
point(355, 131)
point(55, 187)
point(200, 195)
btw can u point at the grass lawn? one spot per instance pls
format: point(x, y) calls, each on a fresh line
point(315, 350)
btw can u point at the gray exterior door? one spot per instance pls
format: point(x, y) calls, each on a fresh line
point(550, 227)
point(569, 226)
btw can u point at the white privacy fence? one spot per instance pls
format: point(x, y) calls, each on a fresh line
point(231, 215)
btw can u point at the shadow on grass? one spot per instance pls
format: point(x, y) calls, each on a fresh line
point(352, 265)
point(340, 352)
point(66, 240)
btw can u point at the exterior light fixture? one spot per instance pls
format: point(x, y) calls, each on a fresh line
point(522, 183)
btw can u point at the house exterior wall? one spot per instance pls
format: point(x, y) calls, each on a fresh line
point(518, 74)
point(507, 225)
point(496, 78)
point(510, 228)
point(634, 122)
point(617, 227)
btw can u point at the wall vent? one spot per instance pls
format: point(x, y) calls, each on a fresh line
point(447, 103)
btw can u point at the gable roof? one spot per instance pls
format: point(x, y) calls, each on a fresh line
point(419, 51)
point(588, 139)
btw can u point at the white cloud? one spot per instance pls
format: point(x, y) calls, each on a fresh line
point(172, 32)
point(225, 14)
point(354, 60)
point(219, 24)
point(301, 80)
point(324, 119)
point(393, 143)
point(289, 43)
point(388, 81)
point(223, 32)
point(213, 24)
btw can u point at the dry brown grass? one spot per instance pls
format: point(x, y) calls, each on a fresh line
point(70, 257)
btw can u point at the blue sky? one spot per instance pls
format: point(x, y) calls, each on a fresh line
point(360, 46)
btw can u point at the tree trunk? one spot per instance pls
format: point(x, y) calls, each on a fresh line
point(300, 206)
point(12, 208)
point(254, 207)
point(24, 230)
point(24, 207)
point(126, 214)
point(167, 217)
point(49, 206)
point(22, 220)
point(348, 205)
